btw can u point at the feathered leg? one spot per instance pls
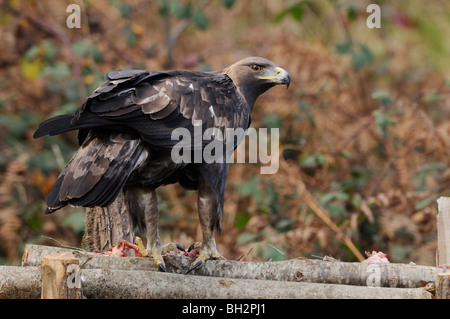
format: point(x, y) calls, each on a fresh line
point(208, 210)
point(143, 205)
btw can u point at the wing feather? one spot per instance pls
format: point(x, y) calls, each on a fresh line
point(97, 172)
point(153, 104)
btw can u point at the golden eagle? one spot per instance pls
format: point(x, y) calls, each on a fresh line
point(125, 131)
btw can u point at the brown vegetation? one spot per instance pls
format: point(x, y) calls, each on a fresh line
point(364, 127)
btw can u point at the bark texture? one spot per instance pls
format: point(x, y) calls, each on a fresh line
point(106, 225)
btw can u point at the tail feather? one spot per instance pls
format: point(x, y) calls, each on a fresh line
point(65, 123)
point(56, 125)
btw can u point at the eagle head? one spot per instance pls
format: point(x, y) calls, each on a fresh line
point(254, 75)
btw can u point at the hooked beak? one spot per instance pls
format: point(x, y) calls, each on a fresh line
point(281, 77)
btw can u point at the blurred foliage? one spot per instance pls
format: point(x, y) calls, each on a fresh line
point(364, 125)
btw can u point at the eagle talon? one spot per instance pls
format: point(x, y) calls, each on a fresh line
point(138, 241)
point(172, 247)
point(162, 267)
point(196, 265)
point(203, 254)
point(180, 247)
point(157, 253)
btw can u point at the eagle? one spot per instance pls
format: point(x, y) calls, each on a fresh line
point(127, 133)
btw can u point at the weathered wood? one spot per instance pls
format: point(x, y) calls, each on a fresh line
point(106, 225)
point(443, 231)
point(56, 274)
point(299, 270)
point(443, 286)
point(20, 282)
point(101, 283)
point(318, 271)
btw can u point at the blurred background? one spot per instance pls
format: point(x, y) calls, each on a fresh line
point(364, 127)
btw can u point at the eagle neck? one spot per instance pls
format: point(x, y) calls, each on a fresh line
point(249, 98)
point(246, 88)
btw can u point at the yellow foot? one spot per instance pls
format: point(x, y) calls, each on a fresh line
point(156, 253)
point(204, 254)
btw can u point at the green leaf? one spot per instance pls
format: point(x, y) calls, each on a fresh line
point(447, 82)
point(76, 220)
point(383, 121)
point(241, 219)
point(336, 209)
point(362, 57)
point(59, 71)
point(250, 187)
point(296, 10)
point(313, 160)
point(269, 252)
point(284, 225)
point(31, 53)
point(304, 108)
point(45, 161)
point(180, 10)
point(66, 108)
point(72, 90)
point(352, 13)
point(345, 47)
point(132, 37)
point(331, 196)
point(96, 54)
point(433, 166)
point(81, 47)
point(383, 96)
point(49, 51)
point(272, 120)
point(200, 19)
point(228, 3)
point(424, 203)
point(435, 97)
point(356, 200)
point(245, 238)
point(164, 9)
point(125, 10)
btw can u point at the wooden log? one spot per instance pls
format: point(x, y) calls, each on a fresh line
point(443, 286)
point(299, 270)
point(106, 225)
point(140, 284)
point(318, 271)
point(59, 277)
point(20, 282)
point(443, 231)
point(102, 283)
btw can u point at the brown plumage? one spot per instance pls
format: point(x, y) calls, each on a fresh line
point(125, 134)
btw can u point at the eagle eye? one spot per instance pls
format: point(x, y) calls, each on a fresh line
point(256, 67)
